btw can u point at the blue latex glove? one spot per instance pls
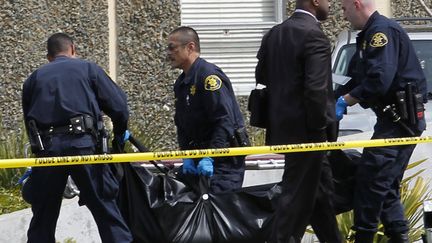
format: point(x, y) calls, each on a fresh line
point(189, 167)
point(205, 167)
point(24, 176)
point(126, 136)
point(341, 106)
point(119, 142)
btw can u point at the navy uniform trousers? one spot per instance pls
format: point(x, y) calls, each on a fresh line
point(98, 190)
point(378, 178)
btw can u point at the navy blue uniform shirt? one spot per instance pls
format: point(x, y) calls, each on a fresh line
point(67, 87)
point(207, 112)
point(385, 62)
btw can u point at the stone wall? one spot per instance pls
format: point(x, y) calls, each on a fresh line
point(24, 27)
point(143, 27)
point(335, 22)
point(404, 8)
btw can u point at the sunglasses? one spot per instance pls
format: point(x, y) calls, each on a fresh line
point(172, 47)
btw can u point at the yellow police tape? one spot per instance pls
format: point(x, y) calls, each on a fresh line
point(199, 153)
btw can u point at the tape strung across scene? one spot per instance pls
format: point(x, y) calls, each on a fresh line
point(199, 153)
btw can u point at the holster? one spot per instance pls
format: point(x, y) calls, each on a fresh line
point(409, 104)
point(407, 111)
point(102, 137)
point(240, 138)
point(35, 139)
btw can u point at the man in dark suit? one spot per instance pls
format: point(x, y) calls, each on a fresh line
point(295, 65)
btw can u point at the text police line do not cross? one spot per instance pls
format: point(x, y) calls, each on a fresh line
point(199, 153)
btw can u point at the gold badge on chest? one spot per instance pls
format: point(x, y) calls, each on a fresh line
point(193, 89)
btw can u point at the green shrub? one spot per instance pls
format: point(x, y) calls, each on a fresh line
point(11, 200)
point(12, 145)
point(68, 240)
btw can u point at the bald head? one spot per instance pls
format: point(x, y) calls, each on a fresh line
point(357, 12)
point(369, 3)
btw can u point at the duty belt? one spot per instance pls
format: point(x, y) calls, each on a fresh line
point(78, 125)
point(58, 130)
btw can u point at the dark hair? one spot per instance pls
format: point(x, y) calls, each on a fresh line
point(58, 42)
point(187, 34)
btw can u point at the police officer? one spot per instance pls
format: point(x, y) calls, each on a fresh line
point(62, 103)
point(207, 114)
point(385, 68)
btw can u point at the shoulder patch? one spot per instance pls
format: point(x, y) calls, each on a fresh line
point(212, 83)
point(379, 40)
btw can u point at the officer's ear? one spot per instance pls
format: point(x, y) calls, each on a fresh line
point(191, 46)
point(358, 4)
point(73, 50)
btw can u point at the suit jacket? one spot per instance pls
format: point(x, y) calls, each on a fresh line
point(294, 62)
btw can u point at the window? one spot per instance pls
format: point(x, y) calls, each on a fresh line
point(345, 54)
point(230, 32)
point(424, 54)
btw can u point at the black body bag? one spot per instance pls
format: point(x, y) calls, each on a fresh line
point(165, 208)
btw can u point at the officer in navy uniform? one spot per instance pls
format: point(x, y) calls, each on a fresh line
point(384, 69)
point(62, 103)
point(207, 114)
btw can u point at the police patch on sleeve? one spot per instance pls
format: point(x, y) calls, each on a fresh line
point(212, 83)
point(379, 40)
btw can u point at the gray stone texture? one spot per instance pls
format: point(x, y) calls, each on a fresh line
point(405, 8)
point(143, 27)
point(24, 27)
